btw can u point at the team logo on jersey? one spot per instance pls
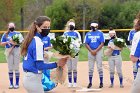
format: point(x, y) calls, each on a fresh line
point(93, 38)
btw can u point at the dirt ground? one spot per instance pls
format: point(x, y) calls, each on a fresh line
point(82, 80)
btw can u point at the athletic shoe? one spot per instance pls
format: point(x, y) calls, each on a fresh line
point(11, 87)
point(16, 86)
point(70, 85)
point(111, 86)
point(74, 85)
point(121, 86)
point(89, 85)
point(101, 85)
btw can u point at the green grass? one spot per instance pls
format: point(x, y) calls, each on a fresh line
point(83, 56)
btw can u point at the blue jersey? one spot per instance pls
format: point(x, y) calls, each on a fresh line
point(46, 41)
point(94, 39)
point(135, 50)
point(34, 59)
point(131, 35)
point(73, 34)
point(115, 52)
point(6, 38)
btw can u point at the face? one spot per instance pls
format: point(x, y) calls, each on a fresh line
point(111, 34)
point(45, 25)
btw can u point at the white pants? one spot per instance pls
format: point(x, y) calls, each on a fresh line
point(72, 64)
point(136, 84)
point(32, 82)
point(13, 58)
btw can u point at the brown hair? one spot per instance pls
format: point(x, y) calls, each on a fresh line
point(137, 25)
point(32, 31)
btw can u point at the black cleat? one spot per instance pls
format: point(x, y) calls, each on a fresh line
point(89, 85)
point(101, 85)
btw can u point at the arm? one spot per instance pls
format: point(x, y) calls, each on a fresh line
point(41, 65)
point(87, 46)
point(48, 48)
point(99, 47)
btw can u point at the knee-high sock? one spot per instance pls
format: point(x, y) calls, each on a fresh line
point(75, 76)
point(112, 78)
point(11, 78)
point(70, 77)
point(135, 74)
point(120, 78)
point(101, 76)
point(17, 74)
point(90, 77)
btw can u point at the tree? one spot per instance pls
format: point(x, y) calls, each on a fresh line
point(60, 13)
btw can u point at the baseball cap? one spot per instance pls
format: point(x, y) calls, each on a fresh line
point(112, 31)
point(10, 25)
point(94, 24)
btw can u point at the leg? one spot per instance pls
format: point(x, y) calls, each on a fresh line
point(10, 59)
point(118, 63)
point(112, 70)
point(136, 84)
point(99, 67)
point(91, 62)
point(69, 65)
point(135, 70)
point(16, 66)
point(74, 66)
point(32, 82)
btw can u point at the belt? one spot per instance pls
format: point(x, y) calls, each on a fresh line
point(115, 54)
point(39, 71)
point(16, 46)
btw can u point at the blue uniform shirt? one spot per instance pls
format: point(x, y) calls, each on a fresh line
point(73, 34)
point(135, 50)
point(94, 39)
point(34, 60)
point(46, 41)
point(7, 39)
point(115, 52)
point(131, 35)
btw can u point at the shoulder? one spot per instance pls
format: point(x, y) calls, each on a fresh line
point(137, 35)
point(76, 32)
point(37, 41)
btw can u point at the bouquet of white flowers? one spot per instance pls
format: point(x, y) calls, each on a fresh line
point(65, 47)
point(17, 38)
point(117, 44)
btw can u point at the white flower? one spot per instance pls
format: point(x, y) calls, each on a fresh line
point(71, 46)
point(65, 40)
point(119, 39)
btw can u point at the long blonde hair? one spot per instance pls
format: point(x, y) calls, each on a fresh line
point(32, 31)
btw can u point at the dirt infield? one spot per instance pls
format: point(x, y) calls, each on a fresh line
point(82, 80)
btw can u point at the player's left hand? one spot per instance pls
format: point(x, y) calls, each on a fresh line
point(93, 52)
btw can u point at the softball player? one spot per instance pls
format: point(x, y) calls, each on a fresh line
point(72, 63)
point(130, 37)
point(135, 57)
point(94, 41)
point(32, 50)
point(12, 53)
point(115, 60)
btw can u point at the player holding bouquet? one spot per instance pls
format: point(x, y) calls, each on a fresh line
point(115, 60)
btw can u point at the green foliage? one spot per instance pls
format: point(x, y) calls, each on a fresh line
point(60, 13)
point(119, 42)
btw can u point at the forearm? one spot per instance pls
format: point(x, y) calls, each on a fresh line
point(87, 46)
point(48, 48)
point(41, 65)
point(3, 43)
point(100, 47)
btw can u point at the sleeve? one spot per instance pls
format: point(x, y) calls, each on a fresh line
point(49, 42)
point(3, 39)
point(86, 40)
point(38, 50)
point(102, 39)
point(135, 49)
point(129, 36)
point(41, 65)
point(79, 36)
